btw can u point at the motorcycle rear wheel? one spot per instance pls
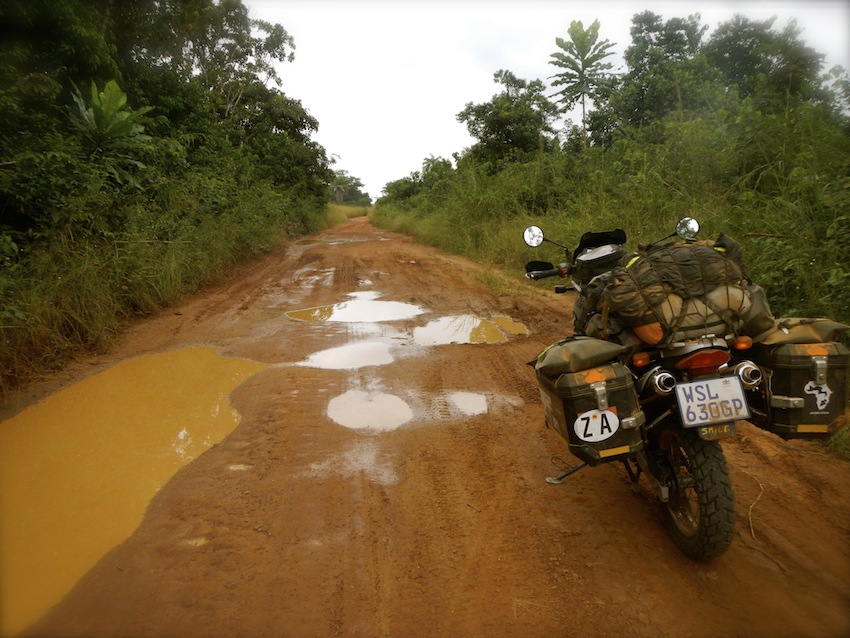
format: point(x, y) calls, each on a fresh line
point(700, 514)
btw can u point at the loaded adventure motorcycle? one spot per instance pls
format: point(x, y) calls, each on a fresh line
point(673, 344)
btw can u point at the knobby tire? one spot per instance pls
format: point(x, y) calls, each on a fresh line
point(700, 515)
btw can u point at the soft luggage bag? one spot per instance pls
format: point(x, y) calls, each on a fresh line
point(595, 410)
point(805, 389)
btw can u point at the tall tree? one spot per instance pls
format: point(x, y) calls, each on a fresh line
point(211, 42)
point(661, 63)
point(347, 189)
point(513, 125)
point(585, 76)
point(768, 66)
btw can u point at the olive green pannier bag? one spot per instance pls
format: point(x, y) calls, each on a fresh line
point(574, 354)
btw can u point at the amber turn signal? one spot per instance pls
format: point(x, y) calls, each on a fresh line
point(742, 343)
point(640, 359)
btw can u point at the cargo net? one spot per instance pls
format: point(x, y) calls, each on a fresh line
point(677, 292)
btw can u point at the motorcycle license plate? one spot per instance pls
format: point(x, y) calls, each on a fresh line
point(710, 401)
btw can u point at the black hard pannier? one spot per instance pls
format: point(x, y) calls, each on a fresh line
point(596, 411)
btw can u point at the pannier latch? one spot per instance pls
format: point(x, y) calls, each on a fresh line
point(601, 393)
point(820, 370)
point(786, 403)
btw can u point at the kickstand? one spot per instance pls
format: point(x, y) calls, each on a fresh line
point(555, 480)
point(634, 476)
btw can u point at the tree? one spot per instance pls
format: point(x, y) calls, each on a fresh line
point(346, 189)
point(111, 132)
point(512, 126)
point(212, 42)
point(663, 70)
point(585, 76)
point(768, 66)
point(435, 170)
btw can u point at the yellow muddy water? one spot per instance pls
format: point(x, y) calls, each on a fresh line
point(78, 469)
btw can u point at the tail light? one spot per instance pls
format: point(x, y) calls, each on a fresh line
point(703, 361)
point(641, 359)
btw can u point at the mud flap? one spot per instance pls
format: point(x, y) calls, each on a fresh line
point(717, 431)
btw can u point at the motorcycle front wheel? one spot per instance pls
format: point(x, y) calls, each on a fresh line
point(700, 513)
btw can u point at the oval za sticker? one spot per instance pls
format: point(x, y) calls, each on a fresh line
point(596, 425)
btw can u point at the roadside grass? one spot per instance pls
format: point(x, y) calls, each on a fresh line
point(75, 294)
point(839, 443)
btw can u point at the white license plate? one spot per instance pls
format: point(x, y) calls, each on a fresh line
point(710, 401)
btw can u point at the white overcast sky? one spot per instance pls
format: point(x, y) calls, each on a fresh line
point(385, 79)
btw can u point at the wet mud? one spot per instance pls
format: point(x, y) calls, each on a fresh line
point(387, 477)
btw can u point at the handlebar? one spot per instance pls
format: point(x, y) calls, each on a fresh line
point(542, 274)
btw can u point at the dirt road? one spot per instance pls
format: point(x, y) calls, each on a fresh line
point(442, 526)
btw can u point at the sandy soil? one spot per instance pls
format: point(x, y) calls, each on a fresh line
point(445, 526)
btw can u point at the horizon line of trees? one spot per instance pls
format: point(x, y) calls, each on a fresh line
point(347, 190)
point(670, 69)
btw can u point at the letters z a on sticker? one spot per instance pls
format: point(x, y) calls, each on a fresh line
point(594, 426)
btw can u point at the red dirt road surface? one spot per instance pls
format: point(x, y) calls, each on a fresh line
point(438, 523)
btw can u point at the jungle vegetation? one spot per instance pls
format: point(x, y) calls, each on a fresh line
point(145, 149)
point(743, 129)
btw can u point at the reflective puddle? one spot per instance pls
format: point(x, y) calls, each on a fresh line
point(78, 469)
point(459, 329)
point(369, 411)
point(377, 411)
point(352, 356)
point(362, 306)
point(380, 412)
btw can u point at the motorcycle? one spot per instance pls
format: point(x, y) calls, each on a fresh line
point(617, 391)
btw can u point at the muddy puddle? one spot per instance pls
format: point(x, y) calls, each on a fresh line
point(361, 307)
point(376, 411)
point(373, 345)
point(352, 356)
point(78, 469)
point(467, 329)
point(469, 403)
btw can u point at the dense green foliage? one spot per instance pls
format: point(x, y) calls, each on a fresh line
point(144, 150)
point(513, 126)
point(739, 130)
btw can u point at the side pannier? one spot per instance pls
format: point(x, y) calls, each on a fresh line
point(805, 391)
point(594, 408)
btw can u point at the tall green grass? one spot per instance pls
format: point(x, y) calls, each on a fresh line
point(75, 292)
point(779, 186)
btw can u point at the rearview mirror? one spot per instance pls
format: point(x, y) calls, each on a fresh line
point(687, 228)
point(533, 236)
